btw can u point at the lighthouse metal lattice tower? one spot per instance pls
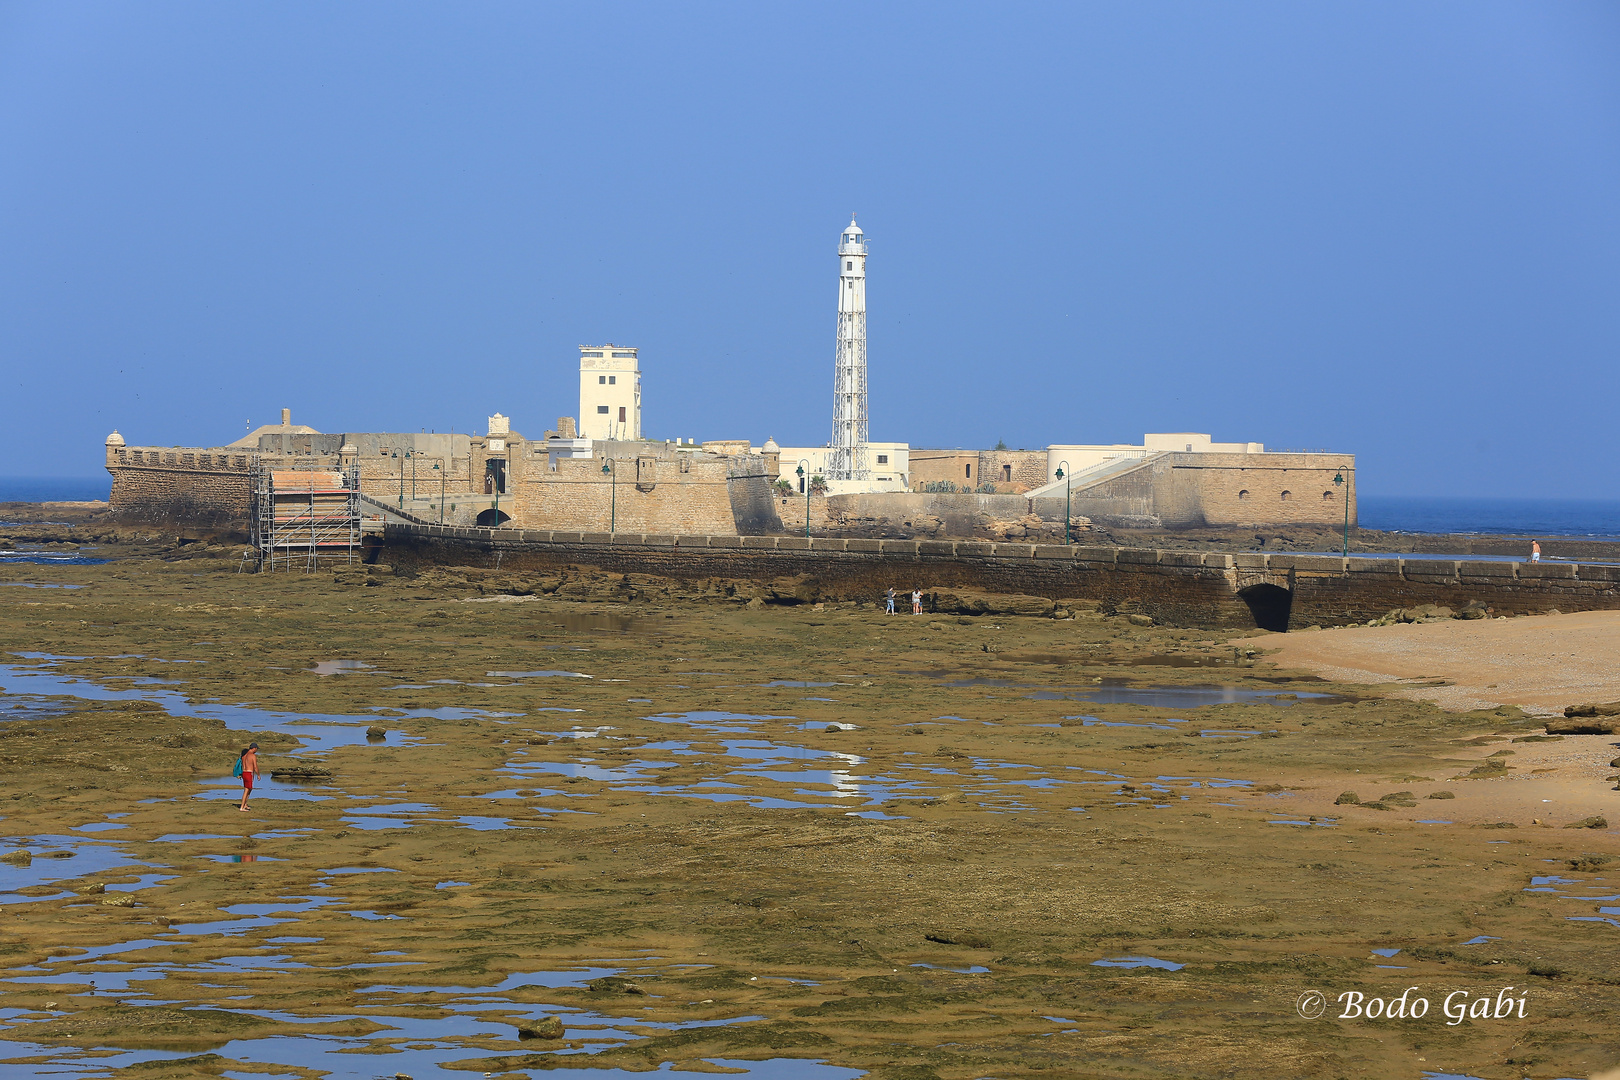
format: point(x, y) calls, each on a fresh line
point(848, 460)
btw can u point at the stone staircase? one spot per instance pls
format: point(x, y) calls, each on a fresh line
point(389, 514)
point(1096, 474)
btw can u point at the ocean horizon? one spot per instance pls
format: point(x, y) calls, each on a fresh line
point(1595, 518)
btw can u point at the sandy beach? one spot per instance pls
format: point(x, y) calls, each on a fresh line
point(1541, 663)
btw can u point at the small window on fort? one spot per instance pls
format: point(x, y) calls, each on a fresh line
point(602, 409)
point(883, 459)
point(613, 380)
point(969, 473)
point(1243, 494)
point(602, 380)
point(1006, 472)
point(1285, 495)
point(1327, 496)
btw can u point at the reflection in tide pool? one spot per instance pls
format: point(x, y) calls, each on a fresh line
point(1139, 962)
point(319, 732)
point(415, 1046)
point(1179, 697)
point(56, 858)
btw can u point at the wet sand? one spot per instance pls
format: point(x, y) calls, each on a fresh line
point(676, 859)
point(1541, 663)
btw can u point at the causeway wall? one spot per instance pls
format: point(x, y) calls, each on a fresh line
point(1186, 588)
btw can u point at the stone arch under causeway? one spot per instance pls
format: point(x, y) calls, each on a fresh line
point(1269, 604)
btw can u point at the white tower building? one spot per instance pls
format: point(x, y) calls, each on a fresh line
point(609, 392)
point(847, 459)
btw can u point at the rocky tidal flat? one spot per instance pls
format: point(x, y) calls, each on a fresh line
point(511, 827)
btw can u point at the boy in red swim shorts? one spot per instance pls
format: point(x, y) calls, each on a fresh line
point(250, 765)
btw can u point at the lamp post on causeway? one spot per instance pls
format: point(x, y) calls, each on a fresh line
point(401, 480)
point(412, 455)
point(1066, 493)
point(1342, 477)
point(441, 491)
point(613, 505)
point(804, 482)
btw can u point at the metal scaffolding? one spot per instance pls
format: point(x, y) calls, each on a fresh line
point(302, 517)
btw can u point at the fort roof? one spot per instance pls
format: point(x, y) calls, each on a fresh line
point(250, 441)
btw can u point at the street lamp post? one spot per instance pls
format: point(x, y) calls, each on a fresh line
point(1339, 478)
point(401, 480)
point(441, 491)
point(1067, 492)
point(613, 505)
point(412, 455)
point(806, 483)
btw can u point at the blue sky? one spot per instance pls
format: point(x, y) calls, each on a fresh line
point(1384, 228)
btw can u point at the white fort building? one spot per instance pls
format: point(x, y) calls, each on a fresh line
point(609, 392)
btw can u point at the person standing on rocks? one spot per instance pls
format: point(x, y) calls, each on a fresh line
point(250, 766)
point(890, 610)
point(916, 600)
point(1535, 551)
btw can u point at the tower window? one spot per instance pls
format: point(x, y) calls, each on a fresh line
point(602, 409)
point(883, 459)
point(621, 414)
point(613, 380)
point(849, 264)
point(602, 379)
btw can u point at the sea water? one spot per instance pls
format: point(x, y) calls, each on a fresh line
point(1596, 518)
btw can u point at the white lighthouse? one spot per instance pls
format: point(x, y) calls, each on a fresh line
point(847, 457)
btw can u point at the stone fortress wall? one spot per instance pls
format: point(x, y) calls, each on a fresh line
point(1011, 471)
point(501, 478)
point(1214, 489)
point(662, 488)
point(172, 484)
